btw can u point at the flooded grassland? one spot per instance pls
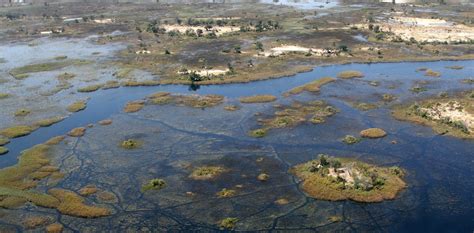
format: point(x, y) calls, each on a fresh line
point(109, 125)
point(182, 161)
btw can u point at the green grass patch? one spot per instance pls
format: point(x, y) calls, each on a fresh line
point(20, 72)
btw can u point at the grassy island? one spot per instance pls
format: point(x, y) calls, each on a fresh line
point(194, 101)
point(335, 179)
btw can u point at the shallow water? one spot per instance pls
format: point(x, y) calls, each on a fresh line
point(440, 175)
point(304, 4)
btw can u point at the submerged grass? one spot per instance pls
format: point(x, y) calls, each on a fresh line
point(16, 181)
point(72, 204)
point(455, 67)
point(314, 112)
point(365, 106)
point(206, 172)
point(20, 72)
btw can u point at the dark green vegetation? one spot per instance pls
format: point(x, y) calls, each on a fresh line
point(131, 144)
point(154, 184)
point(349, 139)
point(228, 223)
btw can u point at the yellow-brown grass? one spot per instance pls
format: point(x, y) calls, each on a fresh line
point(77, 106)
point(134, 106)
point(350, 74)
point(258, 99)
point(313, 86)
point(77, 132)
point(373, 133)
point(73, 205)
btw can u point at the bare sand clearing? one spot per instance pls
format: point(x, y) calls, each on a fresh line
point(211, 72)
point(285, 49)
point(429, 30)
point(103, 21)
point(453, 111)
point(205, 72)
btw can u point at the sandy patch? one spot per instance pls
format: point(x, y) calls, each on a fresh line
point(428, 30)
point(205, 72)
point(453, 111)
point(103, 21)
point(285, 49)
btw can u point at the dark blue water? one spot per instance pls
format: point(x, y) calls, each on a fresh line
point(105, 103)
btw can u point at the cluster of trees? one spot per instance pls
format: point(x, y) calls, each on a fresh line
point(14, 16)
point(206, 22)
point(267, 26)
point(153, 27)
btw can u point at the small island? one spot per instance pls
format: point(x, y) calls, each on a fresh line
point(333, 179)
